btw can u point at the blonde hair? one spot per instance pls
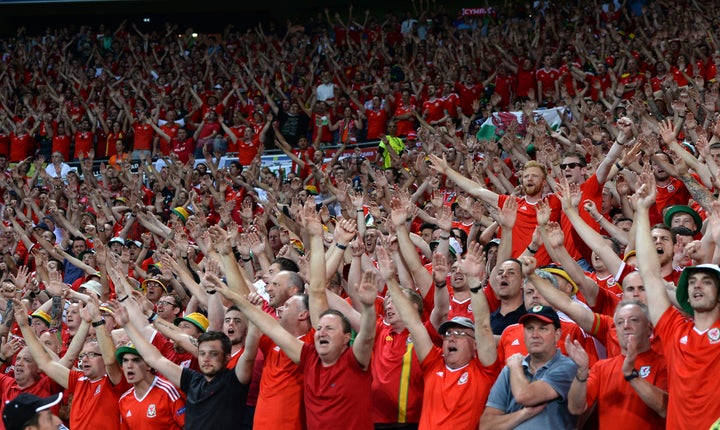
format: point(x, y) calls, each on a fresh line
point(533, 163)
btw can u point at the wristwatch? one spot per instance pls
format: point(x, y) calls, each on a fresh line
point(634, 374)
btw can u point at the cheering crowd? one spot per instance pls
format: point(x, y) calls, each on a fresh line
point(499, 217)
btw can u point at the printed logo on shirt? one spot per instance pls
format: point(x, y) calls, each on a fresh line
point(440, 374)
point(683, 340)
point(714, 335)
point(463, 379)
point(151, 411)
point(644, 371)
point(97, 390)
point(409, 340)
point(277, 348)
point(611, 281)
point(129, 413)
point(671, 188)
point(180, 411)
point(388, 338)
point(515, 342)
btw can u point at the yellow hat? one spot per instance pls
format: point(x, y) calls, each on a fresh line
point(197, 319)
point(43, 316)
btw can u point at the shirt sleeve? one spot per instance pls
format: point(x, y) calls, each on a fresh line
point(560, 376)
point(499, 397)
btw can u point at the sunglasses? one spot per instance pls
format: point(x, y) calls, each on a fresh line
point(570, 166)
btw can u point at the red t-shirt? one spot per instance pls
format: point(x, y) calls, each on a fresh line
point(525, 224)
point(95, 403)
point(280, 403)
point(9, 390)
point(143, 137)
point(397, 385)
point(336, 394)
point(84, 143)
point(162, 407)
point(617, 401)
point(455, 399)
point(692, 358)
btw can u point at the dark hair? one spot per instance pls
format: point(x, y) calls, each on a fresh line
point(216, 335)
point(572, 154)
point(343, 319)
point(666, 228)
point(287, 264)
point(614, 244)
point(427, 225)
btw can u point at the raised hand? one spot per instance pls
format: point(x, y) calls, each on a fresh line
point(370, 284)
point(472, 264)
point(577, 353)
point(508, 214)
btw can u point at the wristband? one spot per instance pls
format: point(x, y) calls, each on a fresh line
point(582, 380)
point(343, 247)
point(98, 323)
point(246, 259)
point(445, 237)
point(634, 374)
point(360, 210)
point(3, 360)
point(211, 292)
point(152, 318)
point(619, 166)
point(124, 298)
point(443, 285)
point(476, 289)
point(532, 251)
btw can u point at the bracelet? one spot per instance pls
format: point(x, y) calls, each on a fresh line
point(211, 292)
point(343, 247)
point(124, 298)
point(445, 237)
point(598, 219)
point(532, 251)
point(619, 166)
point(443, 285)
point(152, 318)
point(476, 289)
point(98, 323)
point(477, 224)
point(360, 210)
point(246, 259)
point(3, 360)
point(408, 219)
point(582, 380)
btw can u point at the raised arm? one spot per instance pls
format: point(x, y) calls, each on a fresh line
point(470, 186)
point(367, 292)
point(648, 262)
point(290, 345)
point(408, 313)
point(148, 352)
point(56, 371)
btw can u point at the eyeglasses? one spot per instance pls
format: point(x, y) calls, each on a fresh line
point(457, 334)
point(164, 303)
point(570, 166)
point(85, 355)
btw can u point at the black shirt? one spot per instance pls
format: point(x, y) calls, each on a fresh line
point(498, 321)
point(216, 404)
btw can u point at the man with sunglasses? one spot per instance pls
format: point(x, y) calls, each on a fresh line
point(573, 168)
